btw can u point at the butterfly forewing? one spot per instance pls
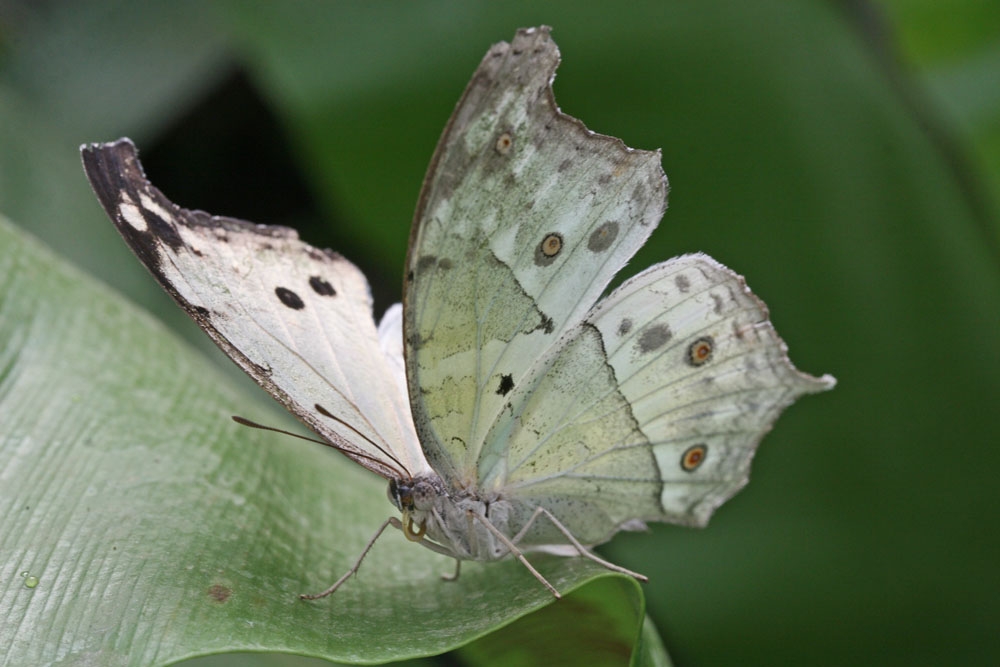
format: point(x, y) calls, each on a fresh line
point(524, 218)
point(297, 319)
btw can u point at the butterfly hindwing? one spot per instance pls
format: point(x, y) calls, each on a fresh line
point(296, 319)
point(652, 408)
point(524, 218)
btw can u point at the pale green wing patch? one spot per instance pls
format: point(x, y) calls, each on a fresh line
point(524, 218)
point(652, 408)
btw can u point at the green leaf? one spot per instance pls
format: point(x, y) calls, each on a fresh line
point(158, 529)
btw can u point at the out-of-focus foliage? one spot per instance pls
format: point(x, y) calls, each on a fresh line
point(856, 192)
point(953, 48)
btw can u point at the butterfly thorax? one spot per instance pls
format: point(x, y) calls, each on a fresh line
point(446, 521)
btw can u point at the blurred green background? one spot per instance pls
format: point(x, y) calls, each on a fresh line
point(843, 155)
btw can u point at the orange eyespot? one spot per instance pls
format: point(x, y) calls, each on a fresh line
point(551, 245)
point(700, 351)
point(504, 142)
point(693, 457)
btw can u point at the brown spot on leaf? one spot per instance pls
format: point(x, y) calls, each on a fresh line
point(219, 593)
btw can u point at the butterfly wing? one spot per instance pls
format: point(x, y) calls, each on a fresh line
point(651, 408)
point(298, 320)
point(524, 218)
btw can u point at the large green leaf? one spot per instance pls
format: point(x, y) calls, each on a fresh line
point(157, 529)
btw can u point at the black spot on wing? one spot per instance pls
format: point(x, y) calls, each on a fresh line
point(506, 384)
point(544, 324)
point(624, 326)
point(322, 287)
point(289, 298)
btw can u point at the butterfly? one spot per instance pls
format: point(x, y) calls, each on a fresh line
point(509, 406)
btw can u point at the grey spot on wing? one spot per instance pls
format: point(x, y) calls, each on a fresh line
point(624, 326)
point(682, 282)
point(506, 384)
point(602, 237)
point(426, 262)
point(322, 287)
point(289, 298)
point(564, 165)
point(654, 337)
point(718, 304)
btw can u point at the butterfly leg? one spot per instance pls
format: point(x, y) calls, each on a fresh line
point(541, 511)
point(458, 571)
point(354, 568)
point(515, 551)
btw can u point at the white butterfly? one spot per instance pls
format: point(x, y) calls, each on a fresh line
point(508, 411)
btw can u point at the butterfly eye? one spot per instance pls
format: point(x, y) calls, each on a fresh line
point(693, 457)
point(700, 351)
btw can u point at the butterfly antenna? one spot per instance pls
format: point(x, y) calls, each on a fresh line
point(326, 413)
point(246, 422)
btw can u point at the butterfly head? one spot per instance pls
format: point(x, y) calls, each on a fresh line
point(417, 494)
point(414, 498)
